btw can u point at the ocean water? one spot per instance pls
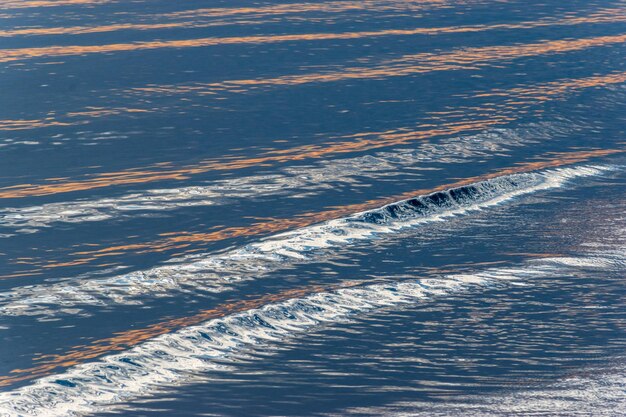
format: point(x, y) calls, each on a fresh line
point(325, 208)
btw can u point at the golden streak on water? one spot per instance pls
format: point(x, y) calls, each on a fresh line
point(9, 55)
point(220, 15)
point(28, 4)
point(332, 6)
point(84, 116)
point(608, 15)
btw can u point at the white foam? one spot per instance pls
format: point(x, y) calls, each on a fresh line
point(213, 345)
point(288, 181)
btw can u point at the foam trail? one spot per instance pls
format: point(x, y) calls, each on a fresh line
point(213, 345)
point(409, 213)
point(219, 272)
point(219, 344)
point(312, 178)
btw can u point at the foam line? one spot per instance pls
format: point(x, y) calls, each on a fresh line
point(312, 178)
point(213, 345)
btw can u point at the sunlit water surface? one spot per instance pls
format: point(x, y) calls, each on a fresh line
point(326, 208)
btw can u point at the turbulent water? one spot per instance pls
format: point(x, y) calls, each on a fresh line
point(328, 208)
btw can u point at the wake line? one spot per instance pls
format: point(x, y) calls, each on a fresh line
point(220, 272)
point(211, 346)
point(219, 344)
point(314, 179)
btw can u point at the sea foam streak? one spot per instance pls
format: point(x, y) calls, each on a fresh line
point(171, 358)
point(219, 344)
point(219, 272)
point(312, 178)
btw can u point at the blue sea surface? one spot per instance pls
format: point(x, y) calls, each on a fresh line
point(324, 208)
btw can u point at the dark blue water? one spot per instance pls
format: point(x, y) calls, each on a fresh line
point(363, 208)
